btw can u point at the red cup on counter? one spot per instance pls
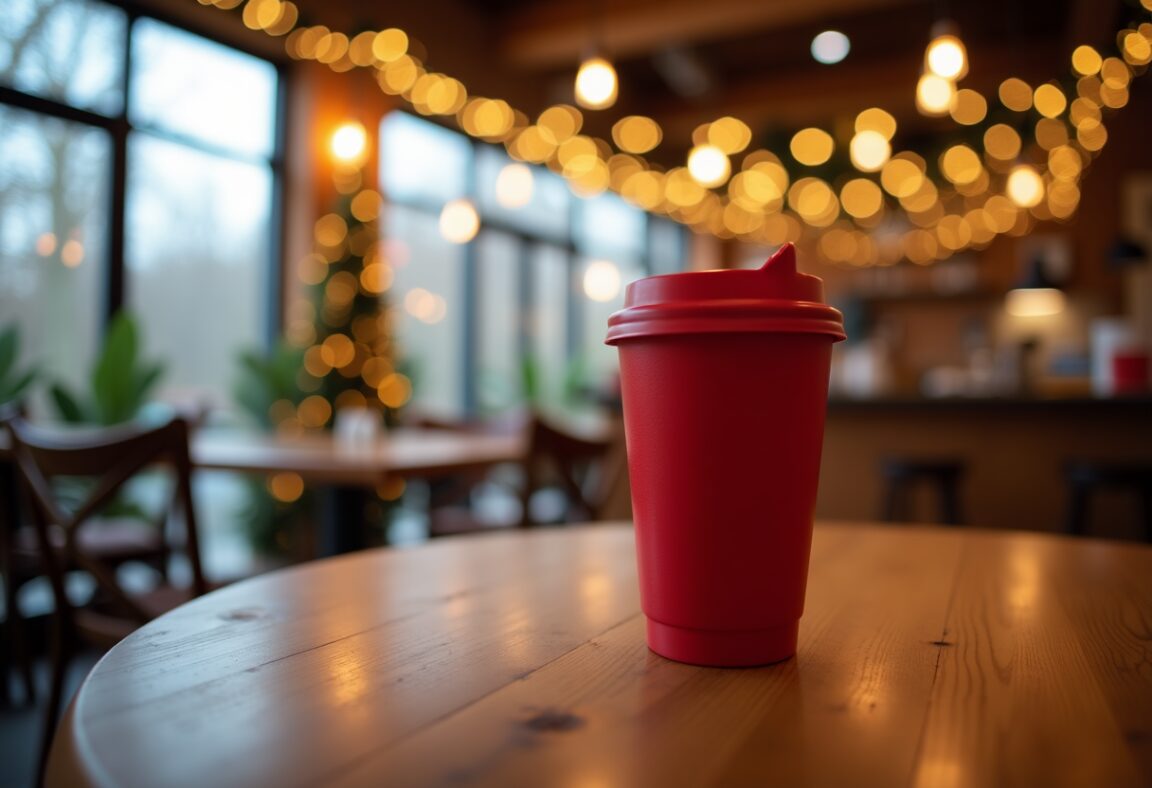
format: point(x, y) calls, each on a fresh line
point(1130, 372)
point(724, 380)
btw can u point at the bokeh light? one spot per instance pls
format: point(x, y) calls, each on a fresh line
point(349, 143)
point(830, 47)
point(1025, 186)
point(459, 221)
point(708, 165)
point(934, 95)
point(514, 186)
point(811, 146)
point(601, 280)
point(869, 150)
point(596, 84)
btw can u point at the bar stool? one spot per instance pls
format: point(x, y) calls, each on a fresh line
point(903, 474)
point(1086, 477)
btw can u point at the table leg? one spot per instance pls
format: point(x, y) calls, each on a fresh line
point(344, 520)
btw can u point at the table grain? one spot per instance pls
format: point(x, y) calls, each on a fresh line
point(928, 657)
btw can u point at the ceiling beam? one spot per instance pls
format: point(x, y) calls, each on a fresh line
point(543, 35)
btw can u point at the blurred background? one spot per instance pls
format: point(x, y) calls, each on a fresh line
point(428, 210)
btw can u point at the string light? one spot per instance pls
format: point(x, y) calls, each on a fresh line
point(459, 221)
point(934, 95)
point(1104, 84)
point(708, 165)
point(1025, 187)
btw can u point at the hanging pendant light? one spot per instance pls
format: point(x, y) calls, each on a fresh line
point(946, 55)
point(596, 84)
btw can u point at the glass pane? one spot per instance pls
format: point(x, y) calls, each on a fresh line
point(666, 245)
point(53, 196)
point(428, 297)
point(499, 374)
point(500, 190)
point(548, 321)
point(68, 50)
point(422, 162)
point(198, 229)
point(609, 227)
point(196, 88)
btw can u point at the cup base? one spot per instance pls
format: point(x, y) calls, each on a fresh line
point(723, 648)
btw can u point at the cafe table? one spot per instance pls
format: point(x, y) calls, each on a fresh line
point(347, 472)
point(928, 657)
point(323, 458)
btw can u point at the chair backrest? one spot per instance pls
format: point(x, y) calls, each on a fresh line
point(586, 468)
point(110, 458)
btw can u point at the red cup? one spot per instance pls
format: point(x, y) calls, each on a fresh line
point(724, 379)
point(1130, 372)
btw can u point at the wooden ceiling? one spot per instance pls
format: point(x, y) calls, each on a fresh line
point(686, 62)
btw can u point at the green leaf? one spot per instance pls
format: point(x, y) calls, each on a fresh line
point(9, 346)
point(66, 405)
point(112, 376)
point(10, 391)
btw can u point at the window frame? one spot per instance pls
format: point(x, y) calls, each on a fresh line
point(526, 242)
point(119, 130)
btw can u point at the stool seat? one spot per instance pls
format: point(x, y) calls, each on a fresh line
point(902, 474)
point(1086, 477)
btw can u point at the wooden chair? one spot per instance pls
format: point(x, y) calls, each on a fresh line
point(109, 459)
point(586, 469)
point(1085, 478)
point(943, 475)
point(117, 541)
point(590, 471)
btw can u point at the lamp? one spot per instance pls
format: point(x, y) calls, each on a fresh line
point(349, 143)
point(946, 55)
point(596, 83)
point(1035, 295)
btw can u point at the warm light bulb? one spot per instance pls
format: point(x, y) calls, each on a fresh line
point(1025, 187)
point(708, 165)
point(349, 142)
point(946, 57)
point(514, 186)
point(1034, 302)
point(869, 150)
point(830, 47)
point(934, 95)
point(459, 221)
point(596, 84)
point(601, 280)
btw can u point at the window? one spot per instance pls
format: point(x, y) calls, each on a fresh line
point(484, 326)
point(154, 189)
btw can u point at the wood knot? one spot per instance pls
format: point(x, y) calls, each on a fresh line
point(553, 721)
point(244, 614)
point(942, 643)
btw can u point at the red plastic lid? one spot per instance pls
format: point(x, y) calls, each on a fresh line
point(772, 298)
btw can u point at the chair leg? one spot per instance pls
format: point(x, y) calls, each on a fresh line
point(1078, 510)
point(61, 656)
point(891, 511)
point(16, 633)
point(950, 505)
point(1146, 498)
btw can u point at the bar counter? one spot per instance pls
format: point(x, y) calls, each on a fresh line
point(1015, 450)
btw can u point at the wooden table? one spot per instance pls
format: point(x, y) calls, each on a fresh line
point(406, 451)
point(348, 472)
point(928, 657)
